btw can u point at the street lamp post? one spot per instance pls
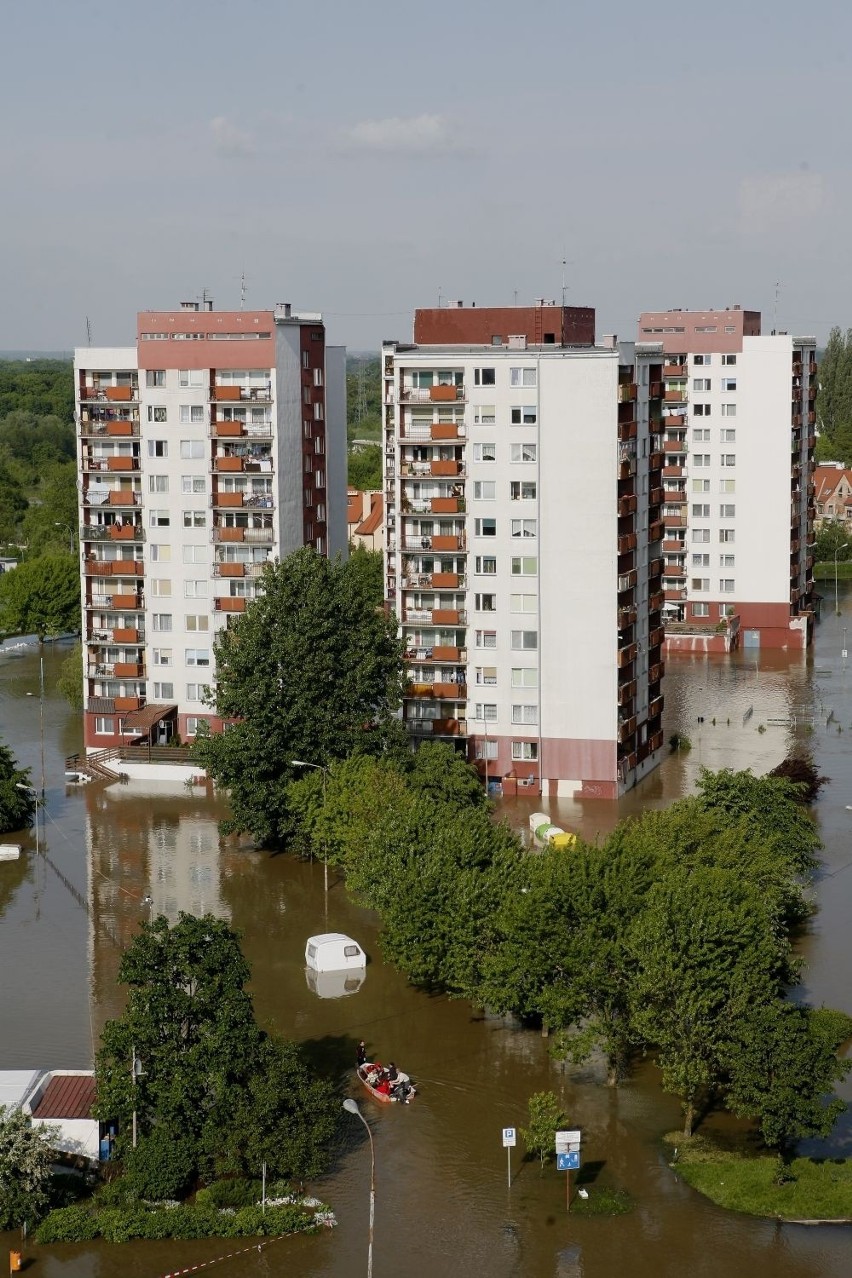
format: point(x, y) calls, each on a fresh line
point(28, 789)
point(70, 532)
point(351, 1107)
point(300, 763)
point(844, 546)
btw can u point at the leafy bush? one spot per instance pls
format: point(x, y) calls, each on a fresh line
point(68, 1224)
point(162, 1166)
point(239, 1192)
point(184, 1222)
point(603, 1202)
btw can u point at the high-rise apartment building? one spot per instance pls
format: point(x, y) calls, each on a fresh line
point(523, 495)
point(740, 428)
point(215, 444)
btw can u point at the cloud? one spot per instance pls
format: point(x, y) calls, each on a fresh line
point(770, 201)
point(412, 135)
point(229, 141)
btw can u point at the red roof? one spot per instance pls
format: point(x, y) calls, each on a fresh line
point(67, 1096)
point(828, 478)
point(374, 520)
point(355, 506)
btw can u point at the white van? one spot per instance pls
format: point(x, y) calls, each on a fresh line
point(334, 952)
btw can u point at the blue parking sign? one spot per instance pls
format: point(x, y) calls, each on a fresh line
point(569, 1161)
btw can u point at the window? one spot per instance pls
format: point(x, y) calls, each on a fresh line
point(524, 677)
point(195, 692)
point(525, 750)
point(190, 377)
point(192, 414)
point(700, 511)
point(193, 484)
point(485, 527)
point(727, 512)
point(701, 359)
point(484, 452)
point(156, 413)
point(486, 674)
point(729, 459)
point(524, 527)
point(192, 448)
point(701, 436)
point(155, 377)
point(700, 486)
point(162, 656)
point(727, 535)
point(524, 639)
point(700, 459)
point(319, 412)
point(729, 359)
point(728, 436)
point(524, 714)
point(727, 485)
point(163, 691)
point(484, 490)
point(158, 448)
point(486, 749)
point(700, 410)
point(197, 656)
point(700, 610)
point(306, 359)
point(729, 410)
point(701, 561)
point(201, 622)
point(194, 554)
point(726, 561)
point(195, 519)
point(705, 328)
point(317, 377)
point(159, 554)
point(158, 518)
point(700, 583)
point(523, 603)
point(524, 566)
point(158, 483)
point(526, 415)
point(486, 711)
point(485, 415)
point(726, 586)
point(700, 535)
point(194, 725)
point(486, 638)
point(729, 383)
point(196, 589)
point(486, 565)
point(104, 726)
point(162, 621)
point(701, 383)
point(522, 377)
point(160, 587)
point(522, 490)
point(523, 452)
point(485, 603)
point(484, 377)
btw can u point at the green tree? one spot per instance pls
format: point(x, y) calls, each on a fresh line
point(834, 398)
point(41, 597)
point(50, 522)
point(17, 807)
point(70, 680)
point(363, 397)
point(25, 1163)
point(770, 806)
point(365, 468)
point(546, 1118)
point(832, 536)
point(13, 503)
point(43, 387)
point(313, 671)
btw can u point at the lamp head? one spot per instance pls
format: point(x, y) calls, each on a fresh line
point(351, 1106)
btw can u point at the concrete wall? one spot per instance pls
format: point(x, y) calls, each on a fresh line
point(336, 449)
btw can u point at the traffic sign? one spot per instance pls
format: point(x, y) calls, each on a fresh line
point(569, 1161)
point(567, 1140)
point(510, 1138)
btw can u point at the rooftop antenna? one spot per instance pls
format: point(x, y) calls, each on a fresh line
point(515, 297)
point(775, 315)
point(88, 331)
point(243, 291)
point(440, 289)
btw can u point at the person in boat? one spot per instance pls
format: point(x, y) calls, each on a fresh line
point(375, 1073)
point(362, 1053)
point(400, 1083)
point(383, 1087)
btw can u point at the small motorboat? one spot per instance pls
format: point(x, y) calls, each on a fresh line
point(386, 1098)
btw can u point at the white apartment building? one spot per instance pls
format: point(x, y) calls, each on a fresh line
point(739, 439)
point(522, 488)
point(215, 444)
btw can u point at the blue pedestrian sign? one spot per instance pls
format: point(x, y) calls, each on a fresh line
point(569, 1161)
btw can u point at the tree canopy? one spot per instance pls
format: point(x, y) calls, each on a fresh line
point(25, 1163)
point(41, 597)
point(834, 398)
point(17, 806)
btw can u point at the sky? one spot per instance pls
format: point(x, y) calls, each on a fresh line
point(364, 159)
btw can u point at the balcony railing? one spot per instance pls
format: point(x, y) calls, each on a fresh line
point(433, 395)
point(230, 604)
point(110, 428)
point(112, 532)
point(114, 568)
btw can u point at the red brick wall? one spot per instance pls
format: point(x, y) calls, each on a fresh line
point(476, 326)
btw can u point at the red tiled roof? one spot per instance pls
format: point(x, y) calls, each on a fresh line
point(828, 478)
point(143, 720)
point(374, 520)
point(67, 1096)
point(355, 507)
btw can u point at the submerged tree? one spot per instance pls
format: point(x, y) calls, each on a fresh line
point(17, 801)
point(25, 1163)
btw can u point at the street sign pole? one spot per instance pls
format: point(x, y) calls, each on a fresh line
point(510, 1139)
point(568, 1158)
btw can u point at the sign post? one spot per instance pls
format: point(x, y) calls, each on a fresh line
point(568, 1158)
point(510, 1140)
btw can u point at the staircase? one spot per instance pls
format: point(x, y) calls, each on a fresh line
point(94, 766)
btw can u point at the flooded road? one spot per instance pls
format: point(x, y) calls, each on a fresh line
point(443, 1205)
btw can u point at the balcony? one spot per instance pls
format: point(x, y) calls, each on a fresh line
point(674, 547)
point(676, 396)
point(446, 469)
point(129, 670)
point(109, 394)
point(626, 392)
point(125, 635)
point(626, 655)
point(626, 506)
point(228, 428)
point(228, 501)
point(121, 497)
point(626, 543)
point(228, 464)
point(670, 496)
point(674, 521)
point(433, 395)
point(655, 673)
point(655, 707)
point(674, 570)
point(230, 604)
point(448, 617)
point(446, 581)
point(110, 428)
point(446, 505)
point(672, 472)
point(229, 570)
point(626, 616)
point(127, 603)
point(244, 394)
point(674, 594)
point(114, 568)
point(674, 370)
point(627, 581)
point(656, 637)
point(655, 530)
point(449, 691)
point(627, 692)
point(626, 729)
point(112, 532)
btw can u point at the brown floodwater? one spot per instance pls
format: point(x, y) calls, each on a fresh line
point(443, 1205)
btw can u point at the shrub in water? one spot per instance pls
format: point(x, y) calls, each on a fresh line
point(162, 1166)
point(239, 1192)
point(67, 1224)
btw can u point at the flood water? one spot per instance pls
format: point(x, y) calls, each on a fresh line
point(443, 1206)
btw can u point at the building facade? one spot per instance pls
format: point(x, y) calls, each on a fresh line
point(739, 439)
point(215, 444)
point(523, 491)
point(833, 495)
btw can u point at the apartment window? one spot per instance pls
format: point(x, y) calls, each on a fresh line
point(523, 603)
point(485, 415)
point(524, 527)
point(729, 359)
point(701, 561)
point(727, 485)
point(160, 587)
point(728, 436)
point(729, 383)
point(701, 459)
point(700, 535)
point(727, 610)
point(163, 691)
point(700, 511)
point(701, 383)
point(522, 490)
point(156, 413)
point(526, 415)
point(196, 589)
point(190, 377)
point(729, 459)
point(729, 410)
point(306, 359)
point(195, 692)
point(192, 448)
point(525, 751)
point(104, 726)
point(486, 749)
point(522, 377)
point(158, 519)
point(701, 436)
point(700, 610)
point(486, 674)
point(155, 377)
point(701, 359)
point(484, 377)
point(319, 412)
point(700, 583)
point(524, 639)
point(726, 561)
point(705, 328)
point(726, 586)
point(317, 377)
point(524, 566)
point(162, 621)
point(486, 638)
point(194, 554)
point(162, 656)
point(159, 553)
point(158, 448)
point(486, 711)
point(524, 714)
point(195, 519)
point(727, 535)
point(158, 483)
point(486, 565)
point(700, 410)
point(485, 527)
point(484, 452)
point(192, 414)
point(523, 452)
point(727, 512)
point(195, 725)
point(700, 486)
point(193, 484)
point(524, 677)
point(319, 446)
point(197, 656)
point(485, 603)
point(484, 490)
point(198, 622)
